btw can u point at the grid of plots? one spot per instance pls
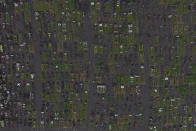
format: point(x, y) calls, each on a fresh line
point(98, 65)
